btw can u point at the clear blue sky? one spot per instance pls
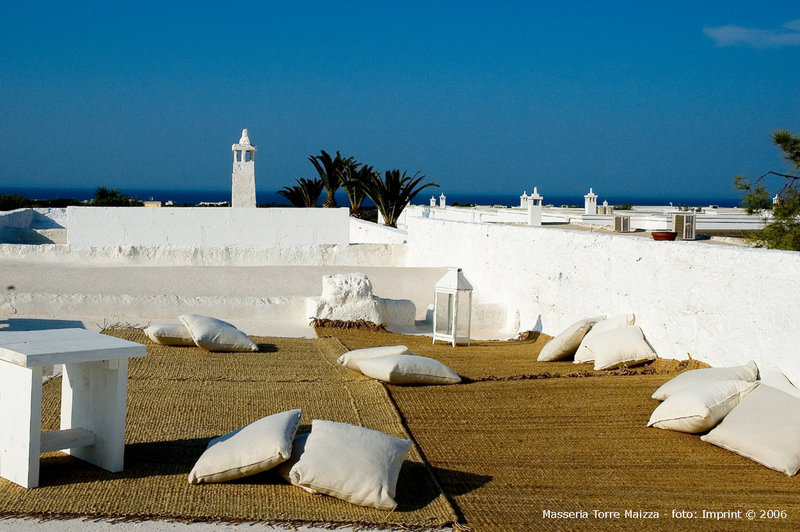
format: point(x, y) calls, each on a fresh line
point(630, 98)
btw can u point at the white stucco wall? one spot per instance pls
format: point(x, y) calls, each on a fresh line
point(387, 255)
point(723, 305)
point(206, 227)
point(16, 219)
point(364, 232)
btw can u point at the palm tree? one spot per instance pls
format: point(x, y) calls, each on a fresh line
point(392, 193)
point(331, 171)
point(304, 194)
point(355, 173)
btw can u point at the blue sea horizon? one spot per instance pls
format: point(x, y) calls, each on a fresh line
point(266, 197)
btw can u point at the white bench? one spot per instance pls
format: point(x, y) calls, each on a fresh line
point(93, 399)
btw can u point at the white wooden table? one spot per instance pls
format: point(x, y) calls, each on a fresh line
point(93, 399)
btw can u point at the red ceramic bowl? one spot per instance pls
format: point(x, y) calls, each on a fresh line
point(664, 235)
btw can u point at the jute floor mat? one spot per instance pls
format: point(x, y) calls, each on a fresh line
point(513, 450)
point(179, 398)
point(487, 360)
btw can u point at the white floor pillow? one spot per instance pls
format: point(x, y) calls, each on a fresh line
point(776, 379)
point(251, 449)
point(699, 407)
point(623, 346)
point(352, 358)
point(567, 342)
point(581, 354)
point(748, 372)
point(352, 463)
point(765, 427)
point(175, 334)
point(402, 369)
point(217, 335)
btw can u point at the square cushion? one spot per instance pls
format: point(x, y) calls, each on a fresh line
point(356, 464)
point(623, 346)
point(352, 358)
point(217, 335)
point(175, 334)
point(251, 449)
point(776, 379)
point(582, 354)
point(765, 427)
point(403, 369)
point(699, 407)
point(748, 372)
point(567, 342)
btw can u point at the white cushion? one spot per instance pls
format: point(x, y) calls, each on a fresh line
point(748, 372)
point(623, 346)
point(216, 335)
point(356, 464)
point(567, 341)
point(699, 407)
point(251, 449)
point(765, 427)
point(170, 334)
point(352, 358)
point(582, 354)
point(776, 379)
point(402, 369)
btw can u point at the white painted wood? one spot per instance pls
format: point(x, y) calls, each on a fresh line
point(59, 346)
point(66, 439)
point(93, 397)
point(20, 423)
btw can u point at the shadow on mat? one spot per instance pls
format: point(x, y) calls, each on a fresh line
point(415, 486)
point(267, 348)
point(459, 482)
point(142, 460)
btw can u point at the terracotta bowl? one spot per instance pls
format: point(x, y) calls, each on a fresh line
point(664, 235)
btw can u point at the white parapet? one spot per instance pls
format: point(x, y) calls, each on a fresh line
point(687, 297)
point(206, 227)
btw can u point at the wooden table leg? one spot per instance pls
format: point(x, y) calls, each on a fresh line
point(93, 398)
point(20, 423)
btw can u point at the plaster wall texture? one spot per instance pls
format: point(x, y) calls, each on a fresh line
point(243, 186)
point(12, 221)
point(722, 305)
point(364, 255)
point(124, 307)
point(49, 218)
point(206, 227)
point(19, 218)
point(364, 232)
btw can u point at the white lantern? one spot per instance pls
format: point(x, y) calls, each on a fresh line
point(452, 308)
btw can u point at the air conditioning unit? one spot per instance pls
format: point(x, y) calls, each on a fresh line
point(622, 224)
point(684, 225)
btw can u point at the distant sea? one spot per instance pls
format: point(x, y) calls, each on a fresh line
point(265, 197)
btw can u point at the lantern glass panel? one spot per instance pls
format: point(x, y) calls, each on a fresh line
point(444, 313)
point(463, 313)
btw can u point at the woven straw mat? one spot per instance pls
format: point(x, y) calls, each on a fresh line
point(522, 437)
point(179, 398)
